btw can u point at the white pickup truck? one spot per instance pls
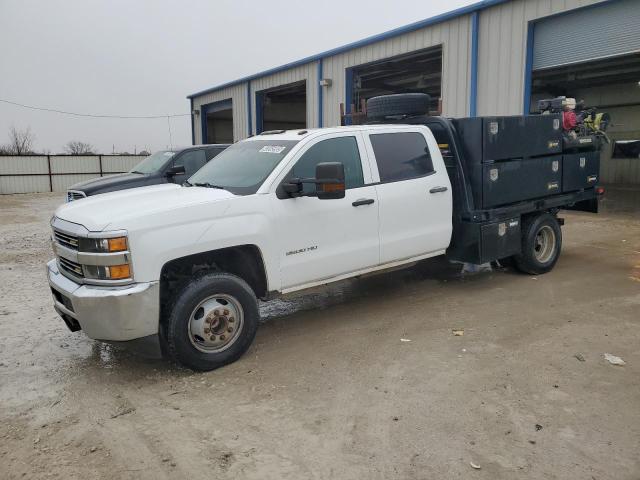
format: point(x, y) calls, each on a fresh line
point(272, 214)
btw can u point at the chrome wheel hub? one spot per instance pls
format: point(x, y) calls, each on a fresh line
point(545, 244)
point(215, 324)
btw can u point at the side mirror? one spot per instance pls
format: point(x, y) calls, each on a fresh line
point(176, 170)
point(292, 188)
point(330, 180)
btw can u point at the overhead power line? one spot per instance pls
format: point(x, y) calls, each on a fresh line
point(92, 115)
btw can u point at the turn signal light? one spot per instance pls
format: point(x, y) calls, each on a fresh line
point(119, 272)
point(332, 187)
point(117, 244)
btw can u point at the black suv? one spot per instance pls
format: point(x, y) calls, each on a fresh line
point(174, 166)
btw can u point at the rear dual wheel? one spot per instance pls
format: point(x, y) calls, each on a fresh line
point(541, 244)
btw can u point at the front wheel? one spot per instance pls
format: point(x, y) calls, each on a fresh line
point(541, 244)
point(213, 322)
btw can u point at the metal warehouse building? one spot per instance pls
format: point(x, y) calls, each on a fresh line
point(496, 57)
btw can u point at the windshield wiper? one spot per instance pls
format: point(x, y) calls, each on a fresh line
point(208, 185)
point(136, 171)
point(187, 182)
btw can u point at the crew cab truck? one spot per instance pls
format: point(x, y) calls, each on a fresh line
point(283, 211)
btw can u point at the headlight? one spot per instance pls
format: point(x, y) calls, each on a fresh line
point(103, 245)
point(113, 272)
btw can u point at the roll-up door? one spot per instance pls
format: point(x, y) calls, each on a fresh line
point(587, 34)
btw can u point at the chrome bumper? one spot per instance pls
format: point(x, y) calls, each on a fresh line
point(107, 313)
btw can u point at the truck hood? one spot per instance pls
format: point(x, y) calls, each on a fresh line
point(106, 184)
point(111, 209)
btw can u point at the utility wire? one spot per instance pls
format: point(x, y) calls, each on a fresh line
point(95, 115)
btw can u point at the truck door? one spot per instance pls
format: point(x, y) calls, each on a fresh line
point(414, 193)
point(320, 239)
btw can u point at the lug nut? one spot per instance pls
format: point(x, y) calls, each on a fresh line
point(230, 329)
point(226, 312)
point(207, 330)
point(212, 338)
point(216, 312)
point(222, 337)
point(231, 319)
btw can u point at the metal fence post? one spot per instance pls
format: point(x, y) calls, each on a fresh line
point(100, 163)
point(50, 176)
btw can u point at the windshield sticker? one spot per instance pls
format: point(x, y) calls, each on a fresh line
point(168, 154)
point(272, 149)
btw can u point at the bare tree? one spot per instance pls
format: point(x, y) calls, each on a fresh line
point(20, 142)
point(75, 147)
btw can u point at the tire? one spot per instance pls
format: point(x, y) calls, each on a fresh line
point(399, 104)
point(213, 322)
point(541, 244)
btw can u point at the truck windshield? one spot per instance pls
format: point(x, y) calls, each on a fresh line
point(243, 167)
point(153, 163)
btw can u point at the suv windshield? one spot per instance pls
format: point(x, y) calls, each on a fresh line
point(243, 167)
point(153, 163)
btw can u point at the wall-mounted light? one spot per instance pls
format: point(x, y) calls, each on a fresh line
point(196, 111)
point(325, 82)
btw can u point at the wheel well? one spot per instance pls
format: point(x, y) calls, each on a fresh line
point(245, 261)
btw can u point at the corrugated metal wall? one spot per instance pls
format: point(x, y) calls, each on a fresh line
point(502, 43)
point(238, 96)
point(502, 51)
point(30, 174)
point(455, 37)
point(23, 174)
point(306, 72)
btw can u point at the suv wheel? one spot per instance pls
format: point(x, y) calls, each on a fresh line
point(213, 322)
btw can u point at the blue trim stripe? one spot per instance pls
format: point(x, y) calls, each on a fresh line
point(473, 87)
point(320, 94)
point(528, 68)
point(348, 94)
point(249, 119)
point(259, 113)
point(476, 7)
point(193, 131)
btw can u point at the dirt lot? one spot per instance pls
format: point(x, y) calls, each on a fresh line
point(329, 390)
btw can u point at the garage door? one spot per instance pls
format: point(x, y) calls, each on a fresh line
point(587, 34)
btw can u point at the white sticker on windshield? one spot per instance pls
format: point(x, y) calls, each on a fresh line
point(272, 149)
point(168, 154)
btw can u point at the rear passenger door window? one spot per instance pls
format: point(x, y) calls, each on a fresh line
point(192, 160)
point(340, 149)
point(401, 156)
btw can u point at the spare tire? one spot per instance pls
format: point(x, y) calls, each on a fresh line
point(398, 104)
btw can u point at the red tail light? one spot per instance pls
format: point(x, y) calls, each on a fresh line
point(599, 190)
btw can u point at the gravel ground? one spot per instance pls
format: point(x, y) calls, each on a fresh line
point(329, 389)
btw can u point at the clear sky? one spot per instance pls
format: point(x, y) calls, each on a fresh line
point(142, 57)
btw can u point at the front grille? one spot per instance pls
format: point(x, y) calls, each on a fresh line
point(66, 240)
point(71, 267)
point(71, 195)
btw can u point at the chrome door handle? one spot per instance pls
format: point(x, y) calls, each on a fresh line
point(438, 189)
point(363, 201)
